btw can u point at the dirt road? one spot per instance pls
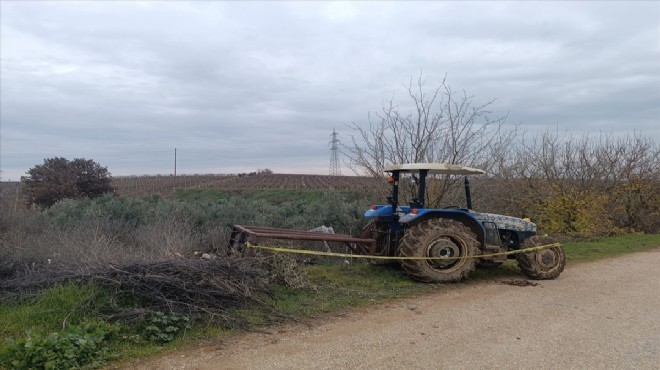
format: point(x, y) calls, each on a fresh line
point(603, 314)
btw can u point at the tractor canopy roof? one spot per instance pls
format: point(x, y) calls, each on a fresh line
point(435, 168)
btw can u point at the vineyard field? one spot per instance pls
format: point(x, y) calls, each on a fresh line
point(165, 185)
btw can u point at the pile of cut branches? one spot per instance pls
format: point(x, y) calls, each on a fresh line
point(187, 286)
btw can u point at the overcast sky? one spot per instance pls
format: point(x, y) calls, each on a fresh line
point(240, 86)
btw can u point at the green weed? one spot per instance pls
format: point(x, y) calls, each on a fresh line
point(162, 328)
point(79, 346)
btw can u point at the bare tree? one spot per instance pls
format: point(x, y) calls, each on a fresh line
point(432, 125)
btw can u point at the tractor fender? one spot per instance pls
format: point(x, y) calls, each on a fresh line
point(463, 217)
point(385, 211)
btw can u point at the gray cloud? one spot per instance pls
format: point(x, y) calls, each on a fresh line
point(238, 86)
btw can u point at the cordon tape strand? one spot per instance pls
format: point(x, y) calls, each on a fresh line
point(348, 255)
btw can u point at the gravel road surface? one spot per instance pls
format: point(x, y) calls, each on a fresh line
point(603, 314)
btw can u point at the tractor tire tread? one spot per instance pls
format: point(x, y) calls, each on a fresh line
point(412, 244)
point(527, 261)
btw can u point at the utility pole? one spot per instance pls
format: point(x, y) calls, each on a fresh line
point(335, 168)
point(16, 199)
point(174, 182)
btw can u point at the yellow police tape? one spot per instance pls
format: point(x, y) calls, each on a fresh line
point(348, 255)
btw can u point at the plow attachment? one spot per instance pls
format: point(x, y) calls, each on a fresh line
point(240, 235)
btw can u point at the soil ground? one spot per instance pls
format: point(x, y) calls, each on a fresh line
point(603, 314)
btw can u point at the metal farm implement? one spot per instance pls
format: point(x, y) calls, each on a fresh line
point(241, 235)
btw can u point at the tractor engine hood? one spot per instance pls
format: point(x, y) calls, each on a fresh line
point(506, 222)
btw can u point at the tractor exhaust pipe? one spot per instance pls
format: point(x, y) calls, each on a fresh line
point(468, 196)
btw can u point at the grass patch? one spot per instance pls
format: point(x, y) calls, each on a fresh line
point(332, 288)
point(52, 309)
point(339, 286)
point(597, 248)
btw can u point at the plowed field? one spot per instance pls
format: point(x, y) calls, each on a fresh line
point(149, 185)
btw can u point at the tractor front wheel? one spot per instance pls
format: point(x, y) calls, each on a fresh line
point(543, 264)
point(438, 238)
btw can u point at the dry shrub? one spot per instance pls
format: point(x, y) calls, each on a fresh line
point(97, 242)
point(637, 205)
point(283, 269)
point(216, 239)
point(81, 246)
point(578, 214)
point(163, 239)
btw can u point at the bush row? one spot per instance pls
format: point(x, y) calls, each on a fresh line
point(120, 230)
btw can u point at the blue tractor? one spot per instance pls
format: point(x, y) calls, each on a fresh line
point(412, 230)
point(464, 237)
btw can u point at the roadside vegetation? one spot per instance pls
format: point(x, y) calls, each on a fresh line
point(74, 291)
point(82, 280)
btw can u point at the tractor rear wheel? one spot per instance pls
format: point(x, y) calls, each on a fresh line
point(543, 264)
point(438, 238)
